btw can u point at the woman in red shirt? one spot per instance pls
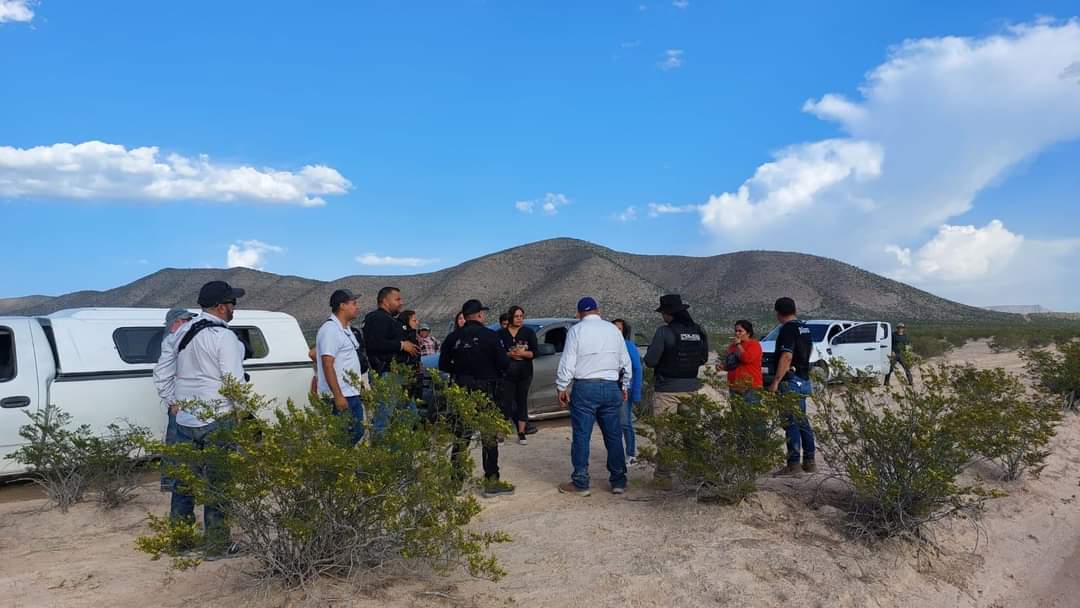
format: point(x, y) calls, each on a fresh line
point(744, 379)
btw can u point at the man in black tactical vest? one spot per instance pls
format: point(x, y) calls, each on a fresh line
point(475, 358)
point(676, 353)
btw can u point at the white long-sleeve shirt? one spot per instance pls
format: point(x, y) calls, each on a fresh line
point(165, 370)
point(594, 350)
point(213, 353)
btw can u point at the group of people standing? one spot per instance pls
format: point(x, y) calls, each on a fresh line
point(599, 377)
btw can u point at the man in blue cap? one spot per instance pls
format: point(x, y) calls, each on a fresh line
point(595, 361)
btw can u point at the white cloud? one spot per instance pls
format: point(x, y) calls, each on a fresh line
point(933, 126)
point(658, 209)
point(680, 4)
point(549, 204)
point(959, 253)
point(96, 170)
point(249, 254)
point(628, 215)
point(673, 59)
point(17, 11)
point(371, 259)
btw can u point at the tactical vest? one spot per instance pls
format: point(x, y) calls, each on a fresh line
point(689, 354)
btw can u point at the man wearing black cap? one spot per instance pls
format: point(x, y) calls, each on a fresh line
point(207, 351)
point(338, 350)
point(676, 353)
point(790, 370)
point(475, 358)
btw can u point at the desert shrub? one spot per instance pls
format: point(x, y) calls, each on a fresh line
point(930, 346)
point(306, 503)
point(997, 418)
point(68, 463)
point(719, 447)
point(1056, 375)
point(900, 454)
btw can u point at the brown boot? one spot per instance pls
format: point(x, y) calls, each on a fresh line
point(809, 466)
point(789, 470)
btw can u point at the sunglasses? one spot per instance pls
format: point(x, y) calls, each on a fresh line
point(230, 302)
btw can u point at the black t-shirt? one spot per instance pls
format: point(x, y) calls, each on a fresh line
point(525, 339)
point(794, 338)
point(383, 335)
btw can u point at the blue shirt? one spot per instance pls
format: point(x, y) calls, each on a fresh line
point(635, 366)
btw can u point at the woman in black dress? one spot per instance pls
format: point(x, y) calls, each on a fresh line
point(520, 343)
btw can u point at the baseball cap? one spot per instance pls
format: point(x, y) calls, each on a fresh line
point(425, 327)
point(218, 292)
point(177, 313)
point(341, 296)
point(471, 307)
point(587, 304)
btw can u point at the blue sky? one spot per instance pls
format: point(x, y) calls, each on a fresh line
point(954, 168)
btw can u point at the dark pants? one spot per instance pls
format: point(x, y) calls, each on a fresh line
point(515, 398)
point(182, 506)
point(903, 363)
point(489, 444)
point(355, 411)
point(384, 412)
point(597, 402)
point(167, 482)
point(800, 435)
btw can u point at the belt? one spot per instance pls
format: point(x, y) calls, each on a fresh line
point(592, 380)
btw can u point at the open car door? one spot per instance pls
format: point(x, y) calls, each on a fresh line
point(859, 347)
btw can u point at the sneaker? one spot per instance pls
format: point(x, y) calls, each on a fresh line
point(496, 487)
point(809, 466)
point(522, 440)
point(632, 461)
point(233, 550)
point(789, 470)
point(568, 487)
point(664, 484)
point(619, 490)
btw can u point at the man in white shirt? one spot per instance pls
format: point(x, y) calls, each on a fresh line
point(165, 378)
point(207, 351)
point(595, 360)
point(337, 354)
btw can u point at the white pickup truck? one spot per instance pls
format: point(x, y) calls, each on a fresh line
point(97, 364)
point(863, 345)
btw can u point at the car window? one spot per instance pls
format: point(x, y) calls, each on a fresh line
point(138, 344)
point(556, 336)
point(7, 354)
point(860, 334)
point(253, 339)
point(884, 331)
point(835, 329)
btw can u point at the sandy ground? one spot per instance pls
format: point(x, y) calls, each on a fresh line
point(638, 550)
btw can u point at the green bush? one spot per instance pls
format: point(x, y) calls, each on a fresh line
point(1056, 375)
point(67, 463)
point(998, 419)
point(929, 346)
point(719, 447)
point(305, 502)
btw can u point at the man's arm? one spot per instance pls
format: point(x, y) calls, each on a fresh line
point(626, 368)
point(327, 362)
point(231, 355)
point(785, 348)
point(568, 362)
point(165, 371)
point(502, 360)
point(783, 365)
point(656, 347)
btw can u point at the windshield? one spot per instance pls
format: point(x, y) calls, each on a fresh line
point(817, 332)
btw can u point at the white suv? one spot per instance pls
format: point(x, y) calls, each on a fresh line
point(863, 345)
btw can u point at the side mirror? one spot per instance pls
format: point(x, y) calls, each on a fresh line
point(543, 350)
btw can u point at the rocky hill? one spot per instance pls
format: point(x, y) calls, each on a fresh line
point(548, 277)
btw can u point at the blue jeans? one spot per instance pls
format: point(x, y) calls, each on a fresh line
point(600, 402)
point(356, 410)
point(627, 421)
point(167, 482)
point(800, 435)
point(384, 412)
point(182, 506)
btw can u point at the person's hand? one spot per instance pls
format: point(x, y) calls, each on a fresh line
point(564, 400)
point(174, 409)
point(625, 395)
point(409, 347)
point(774, 387)
point(514, 353)
point(734, 341)
point(340, 403)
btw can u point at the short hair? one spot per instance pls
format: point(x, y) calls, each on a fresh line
point(626, 331)
point(385, 293)
point(504, 318)
point(748, 326)
point(785, 306)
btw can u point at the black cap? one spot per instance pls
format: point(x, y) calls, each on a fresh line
point(785, 306)
point(218, 292)
point(341, 296)
point(672, 303)
point(471, 307)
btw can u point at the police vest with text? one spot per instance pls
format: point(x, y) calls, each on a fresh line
point(689, 354)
